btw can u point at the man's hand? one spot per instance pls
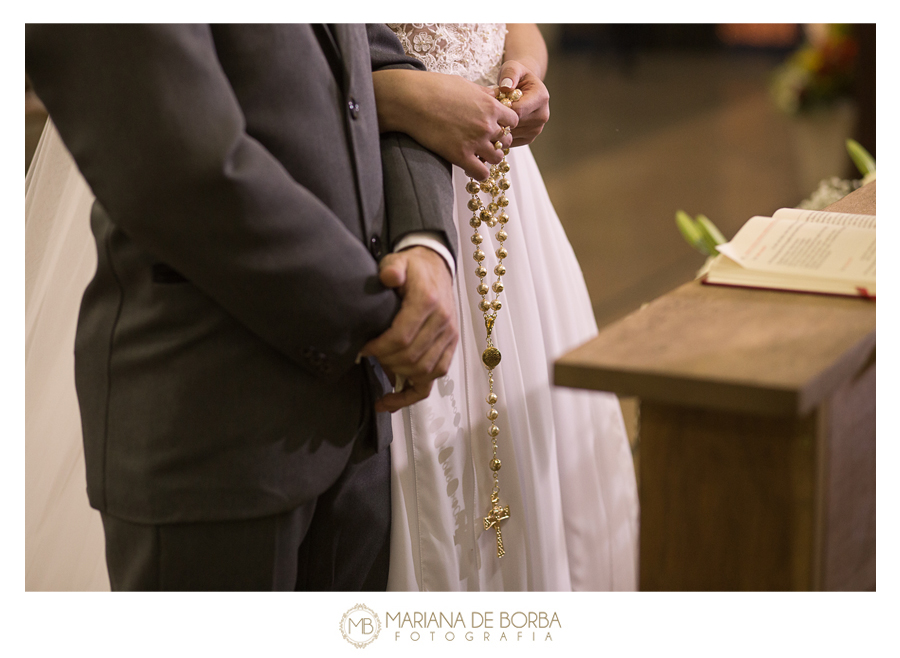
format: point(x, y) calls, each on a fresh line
point(422, 339)
point(533, 109)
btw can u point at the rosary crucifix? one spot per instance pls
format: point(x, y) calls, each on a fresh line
point(493, 519)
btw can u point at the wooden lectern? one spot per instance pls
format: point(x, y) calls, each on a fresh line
point(757, 433)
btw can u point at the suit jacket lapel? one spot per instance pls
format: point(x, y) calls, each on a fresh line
point(329, 45)
point(341, 33)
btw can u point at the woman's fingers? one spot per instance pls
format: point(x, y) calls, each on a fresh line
point(510, 73)
point(475, 168)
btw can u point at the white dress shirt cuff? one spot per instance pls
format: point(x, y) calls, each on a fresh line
point(432, 240)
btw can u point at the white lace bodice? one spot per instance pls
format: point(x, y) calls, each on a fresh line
point(471, 50)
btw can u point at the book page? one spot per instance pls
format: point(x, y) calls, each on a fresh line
point(725, 271)
point(805, 248)
point(822, 217)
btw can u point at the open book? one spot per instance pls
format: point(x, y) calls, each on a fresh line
point(800, 250)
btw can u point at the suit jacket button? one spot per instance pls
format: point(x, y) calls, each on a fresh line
point(353, 106)
point(375, 246)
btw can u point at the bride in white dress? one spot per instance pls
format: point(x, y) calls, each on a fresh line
point(567, 472)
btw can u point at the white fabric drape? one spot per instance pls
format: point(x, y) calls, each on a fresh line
point(64, 546)
point(567, 472)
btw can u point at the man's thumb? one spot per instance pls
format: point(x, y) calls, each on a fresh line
point(393, 271)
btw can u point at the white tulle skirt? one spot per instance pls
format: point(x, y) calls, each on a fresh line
point(64, 545)
point(567, 472)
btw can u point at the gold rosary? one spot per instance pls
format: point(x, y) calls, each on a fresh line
point(492, 214)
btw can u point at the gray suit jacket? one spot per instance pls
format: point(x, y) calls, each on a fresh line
point(239, 220)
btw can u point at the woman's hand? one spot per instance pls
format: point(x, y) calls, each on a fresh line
point(533, 109)
point(455, 118)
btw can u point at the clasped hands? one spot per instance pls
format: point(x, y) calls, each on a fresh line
point(474, 123)
point(460, 120)
point(420, 343)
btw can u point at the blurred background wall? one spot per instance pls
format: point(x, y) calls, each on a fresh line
point(726, 120)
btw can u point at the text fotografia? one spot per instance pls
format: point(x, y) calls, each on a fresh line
point(478, 626)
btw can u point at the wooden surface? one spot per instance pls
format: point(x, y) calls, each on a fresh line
point(848, 482)
point(727, 348)
point(727, 500)
point(757, 433)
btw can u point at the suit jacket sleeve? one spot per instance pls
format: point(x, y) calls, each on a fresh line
point(153, 123)
point(418, 192)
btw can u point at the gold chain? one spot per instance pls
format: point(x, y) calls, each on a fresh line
point(492, 215)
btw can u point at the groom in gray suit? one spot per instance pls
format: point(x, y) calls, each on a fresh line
point(242, 211)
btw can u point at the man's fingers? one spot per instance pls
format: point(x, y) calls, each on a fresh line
point(420, 361)
point(423, 330)
point(395, 401)
point(427, 307)
point(397, 338)
point(417, 355)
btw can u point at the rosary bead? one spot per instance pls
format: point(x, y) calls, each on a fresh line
point(506, 102)
point(492, 214)
point(515, 95)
